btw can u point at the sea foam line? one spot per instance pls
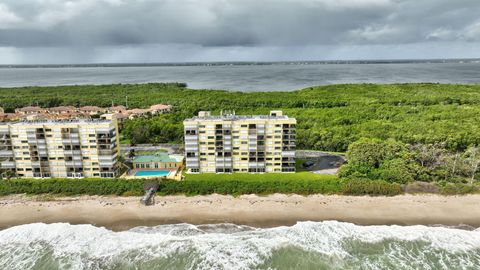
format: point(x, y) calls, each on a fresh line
point(221, 246)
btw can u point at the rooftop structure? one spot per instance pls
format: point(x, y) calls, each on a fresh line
point(92, 110)
point(62, 109)
point(117, 109)
point(160, 108)
point(30, 110)
point(158, 161)
point(137, 113)
point(206, 115)
point(158, 157)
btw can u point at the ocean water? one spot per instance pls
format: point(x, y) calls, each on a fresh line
point(306, 245)
point(252, 77)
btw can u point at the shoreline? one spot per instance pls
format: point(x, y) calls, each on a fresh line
point(121, 213)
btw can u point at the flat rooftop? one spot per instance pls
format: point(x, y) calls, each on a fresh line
point(56, 122)
point(229, 116)
point(238, 117)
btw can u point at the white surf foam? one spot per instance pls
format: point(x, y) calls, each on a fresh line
point(227, 246)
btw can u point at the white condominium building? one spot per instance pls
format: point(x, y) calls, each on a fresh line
point(240, 143)
point(52, 148)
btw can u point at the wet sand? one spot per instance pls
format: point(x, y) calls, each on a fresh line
point(120, 213)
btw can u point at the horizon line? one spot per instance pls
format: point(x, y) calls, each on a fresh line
point(220, 63)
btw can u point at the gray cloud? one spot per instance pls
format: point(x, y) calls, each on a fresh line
point(199, 27)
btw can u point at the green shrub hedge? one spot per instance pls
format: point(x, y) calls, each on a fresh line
point(72, 186)
point(457, 189)
point(329, 185)
point(251, 186)
point(370, 187)
point(221, 185)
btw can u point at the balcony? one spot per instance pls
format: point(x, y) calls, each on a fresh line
point(256, 165)
point(42, 152)
point(107, 158)
point(105, 142)
point(71, 141)
point(70, 163)
point(41, 175)
point(72, 152)
point(191, 148)
point(7, 164)
point(106, 152)
point(191, 138)
point(70, 136)
point(107, 163)
point(223, 160)
point(6, 153)
point(192, 159)
point(42, 146)
point(288, 154)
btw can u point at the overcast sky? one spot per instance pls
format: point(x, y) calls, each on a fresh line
point(106, 31)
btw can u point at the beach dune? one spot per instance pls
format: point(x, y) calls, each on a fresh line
point(120, 213)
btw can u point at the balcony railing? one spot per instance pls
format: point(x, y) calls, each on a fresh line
point(6, 153)
point(7, 164)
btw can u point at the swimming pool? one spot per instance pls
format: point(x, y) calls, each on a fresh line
point(160, 173)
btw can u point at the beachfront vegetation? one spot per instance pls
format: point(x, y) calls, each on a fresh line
point(330, 118)
point(361, 186)
point(200, 185)
point(455, 172)
point(85, 186)
point(210, 183)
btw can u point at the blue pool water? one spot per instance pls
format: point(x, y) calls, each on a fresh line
point(152, 173)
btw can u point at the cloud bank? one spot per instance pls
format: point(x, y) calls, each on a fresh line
point(85, 31)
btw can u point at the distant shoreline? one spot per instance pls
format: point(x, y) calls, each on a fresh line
point(250, 63)
point(121, 213)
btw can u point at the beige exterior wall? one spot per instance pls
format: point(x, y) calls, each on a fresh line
point(74, 148)
point(240, 143)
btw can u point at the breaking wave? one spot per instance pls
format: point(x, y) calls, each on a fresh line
point(306, 245)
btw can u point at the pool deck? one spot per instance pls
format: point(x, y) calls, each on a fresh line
point(174, 174)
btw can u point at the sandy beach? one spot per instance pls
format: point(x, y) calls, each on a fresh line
point(119, 213)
